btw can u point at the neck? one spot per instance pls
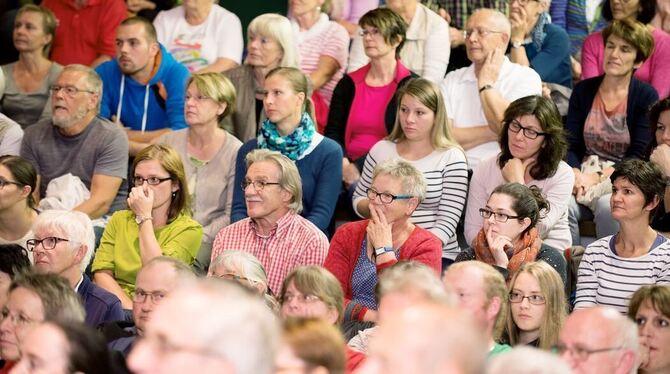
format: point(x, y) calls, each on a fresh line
point(159, 215)
point(526, 337)
point(203, 135)
point(288, 125)
point(407, 11)
point(144, 75)
point(78, 127)
point(400, 231)
point(266, 224)
point(195, 16)
point(383, 68)
point(631, 239)
point(614, 83)
point(16, 221)
point(308, 19)
point(72, 274)
point(33, 61)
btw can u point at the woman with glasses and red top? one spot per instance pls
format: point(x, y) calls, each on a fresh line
point(360, 250)
point(509, 236)
point(157, 223)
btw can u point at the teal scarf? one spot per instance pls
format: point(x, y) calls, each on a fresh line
point(292, 145)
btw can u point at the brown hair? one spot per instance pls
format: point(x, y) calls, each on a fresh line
point(317, 281)
point(317, 343)
point(635, 34)
point(49, 23)
point(391, 26)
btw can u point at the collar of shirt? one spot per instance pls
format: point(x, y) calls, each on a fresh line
point(282, 224)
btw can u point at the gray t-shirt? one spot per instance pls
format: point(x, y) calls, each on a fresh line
point(28, 108)
point(102, 148)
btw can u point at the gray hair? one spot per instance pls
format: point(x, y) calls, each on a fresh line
point(528, 360)
point(412, 180)
point(289, 177)
point(59, 299)
point(408, 276)
point(93, 80)
point(279, 28)
point(183, 272)
point(249, 266)
point(71, 225)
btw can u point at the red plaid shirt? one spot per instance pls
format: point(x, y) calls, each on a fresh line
point(294, 241)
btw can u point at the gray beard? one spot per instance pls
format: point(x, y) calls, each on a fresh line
point(65, 123)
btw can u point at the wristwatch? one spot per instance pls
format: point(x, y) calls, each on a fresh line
point(381, 250)
point(139, 219)
point(517, 44)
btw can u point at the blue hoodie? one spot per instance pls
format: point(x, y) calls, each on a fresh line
point(160, 112)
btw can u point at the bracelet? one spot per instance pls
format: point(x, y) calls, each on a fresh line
point(485, 87)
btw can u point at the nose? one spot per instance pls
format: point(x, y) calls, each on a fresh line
point(519, 135)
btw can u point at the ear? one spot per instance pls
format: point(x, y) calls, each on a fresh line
point(286, 196)
point(80, 253)
point(332, 316)
point(26, 191)
point(494, 307)
point(302, 97)
point(412, 204)
point(627, 362)
point(222, 108)
point(93, 100)
point(525, 223)
point(652, 204)
point(175, 186)
point(154, 48)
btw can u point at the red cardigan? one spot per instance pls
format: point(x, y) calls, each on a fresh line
point(421, 245)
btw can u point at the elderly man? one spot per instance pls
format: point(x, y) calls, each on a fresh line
point(274, 232)
point(78, 142)
point(477, 96)
point(481, 291)
point(157, 279)
point(213, 326)
point(599, 340)
point(64, 243)
point(144, 86)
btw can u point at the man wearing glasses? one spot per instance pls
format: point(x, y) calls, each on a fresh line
point(75, 141)
point(274, 232)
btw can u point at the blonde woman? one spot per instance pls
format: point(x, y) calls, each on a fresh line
point(422, 137)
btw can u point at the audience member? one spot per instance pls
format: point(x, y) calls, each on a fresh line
point(157, 223)
point(649, 308)
point(230, 332)
point(538, 43)
point(247, 270)
point(86, 29)
point(312, 345)
point(208, 154)
point(274, 232)
point(360, 250)
point(533, 144)
point(477, 96)
point(607, 122)
point(659, 153)
point(27, 80)
point(144, 86)
point(202, 35)
point(63, 244)
point(11, 133)
point(358, 121)
point(34, 298)
point(13, 260)
point(599, 341)
point(425, 50)
point(63, 347)
point(77, 142)
point(290, 129)
point(653, 69)
point(509, 236)
point(18, 181)
point(537, 306)
point(527, 360)
point(422, 137)
point(348, 12)
point(615, 266)
point(270, 44)
point(481, 293)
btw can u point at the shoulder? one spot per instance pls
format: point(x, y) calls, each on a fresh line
point(101, 295)
point(248, 147)
point(108, 70)
point(455, 77)
point(185, 221)
point(334, 29)
point(599, 247)
point(38, 130)
point(174, 13)
point(242, 72)
point(643, 88)
point(104, 127)
point(382, 148)
point(224, 14)
point(328, 146)
point(352, 228)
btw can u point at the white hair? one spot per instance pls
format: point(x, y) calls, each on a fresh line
point(247, 264)
point(527, 360)
point(71, 225)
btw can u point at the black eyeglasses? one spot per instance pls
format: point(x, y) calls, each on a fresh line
point(385, 197)
point(140, 296)
point(47, 243)
point(500, 217)
point(258, 185)
point(4, 183)
point(515, 127)
point(581, 353)
point(152, 181)
point(69, 90)
point(517, 297)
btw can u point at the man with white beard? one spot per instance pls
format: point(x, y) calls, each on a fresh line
point(76, 141)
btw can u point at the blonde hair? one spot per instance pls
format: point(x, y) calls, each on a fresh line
point(300, 83)
point(278, 28)
point(317, 281)
point(289, 178)
point(217, 87)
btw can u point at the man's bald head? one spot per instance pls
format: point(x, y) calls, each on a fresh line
point(487, 29)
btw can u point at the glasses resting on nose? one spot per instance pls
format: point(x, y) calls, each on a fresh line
point(517, 297)
point(69, 90)
point(152, 181)
point(481, 32)
point(371, 32)
point(385, 197)
point(500, 217)
point(18, 320)
point(140, 296)
point(47, 243)
point(259, 185)
point(308, 299)
point(581, 353)
point(515, 127)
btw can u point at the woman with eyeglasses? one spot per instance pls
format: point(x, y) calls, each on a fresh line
point(422, 137)
point(360, 250)
point(157, 223)
point(509, 236)
point(537, 304)
point(18, 212)
point(650, 309)
point(533, 144)
point(208, 154)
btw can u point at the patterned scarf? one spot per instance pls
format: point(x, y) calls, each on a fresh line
point(538, 34)
point(292, 145)
point(524, 251)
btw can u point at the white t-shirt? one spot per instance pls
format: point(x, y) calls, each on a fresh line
point(199, 46)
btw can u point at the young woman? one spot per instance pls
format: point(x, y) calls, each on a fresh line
point(421, 136)
point(650, 309)
point(537, 304)
point(509, 236)
point(18, 179)
point(157, 223)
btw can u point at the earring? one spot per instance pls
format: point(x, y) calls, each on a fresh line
point(174, 194)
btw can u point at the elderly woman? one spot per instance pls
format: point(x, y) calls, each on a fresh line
point(360, 250)
point(208, 154)
point(659, 148)
point(290, 130)
point(363, 107)
point(157, 223)
point(422, 137)
point(614, 267)
point(607, 122)
point(533, 145)
point(34, 298)
point(270, 44)
point(509, 237)
point(654, 69)
point(27, 98)
point(650, 309)
point(426, 49)
point(201, 35)
point(18, 180)
point(538, 43)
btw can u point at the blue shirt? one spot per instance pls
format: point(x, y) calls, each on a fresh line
point(552, 62)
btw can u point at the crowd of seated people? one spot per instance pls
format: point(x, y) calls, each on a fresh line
point(349, 186)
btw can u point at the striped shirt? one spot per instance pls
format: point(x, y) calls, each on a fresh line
point(293, 242)
point(446, 174)
point(607, 279)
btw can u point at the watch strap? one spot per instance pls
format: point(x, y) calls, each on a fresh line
point(381, 250)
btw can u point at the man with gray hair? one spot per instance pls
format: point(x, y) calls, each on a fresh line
point(78, 142)
point(63, 244)
point(211, 326)
point(599, 340)
point(274, 232)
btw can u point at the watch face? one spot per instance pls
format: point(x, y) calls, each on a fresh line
point(138, 219)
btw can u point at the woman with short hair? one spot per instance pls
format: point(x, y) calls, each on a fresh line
point(650, 309)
